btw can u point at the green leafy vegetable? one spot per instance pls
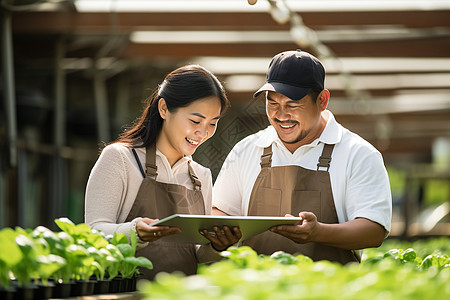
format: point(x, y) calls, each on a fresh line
point(383, 274)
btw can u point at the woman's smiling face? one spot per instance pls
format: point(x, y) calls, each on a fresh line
point(187, 127)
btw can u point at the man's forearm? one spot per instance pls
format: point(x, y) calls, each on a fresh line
point(352, 235)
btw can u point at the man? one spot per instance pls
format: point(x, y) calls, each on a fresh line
point(306, 164)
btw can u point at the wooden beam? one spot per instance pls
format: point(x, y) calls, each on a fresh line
point(41, 45)
point(436, 47)
point(60, 22)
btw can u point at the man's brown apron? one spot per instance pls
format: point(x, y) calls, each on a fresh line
point(157, 200)
point(290, 190)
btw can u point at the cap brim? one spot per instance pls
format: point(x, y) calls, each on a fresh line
point(292, 92)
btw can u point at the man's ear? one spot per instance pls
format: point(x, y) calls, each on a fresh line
point(162, 108)
point(323, 99)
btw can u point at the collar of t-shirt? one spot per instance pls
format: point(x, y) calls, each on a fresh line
point(177, 167)
point(332, 134)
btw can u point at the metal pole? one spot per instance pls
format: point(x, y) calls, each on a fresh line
point(10, 192)
point(101, 104)
point(9, 88)
point(123, 102)
point(59, 167)
point(60, 91)
point(22, 186)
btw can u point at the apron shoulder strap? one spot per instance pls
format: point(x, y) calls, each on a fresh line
point(266, 157)
point(197, 183)
point(150, 161)
point(138, 162)
point(325, 158)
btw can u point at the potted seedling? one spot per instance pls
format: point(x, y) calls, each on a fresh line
point(63, 277)
point(129, 266)
point(49, 262)
point(26, 269)
point(96, 244)
point(48, 266)
point(83, 267)
point(10, 255)
point(113, 268)
point(118, 283)
point(83, 264)
point(104, 258)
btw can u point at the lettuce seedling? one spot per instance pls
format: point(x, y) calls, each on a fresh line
point(10, 255)
point(48, 266)
point(26, 269)
point(63, 241)
point(129, 265)
point(244, 257)
point(100, 257)
point(82, 233)
point(83, 264)
point(116, 257)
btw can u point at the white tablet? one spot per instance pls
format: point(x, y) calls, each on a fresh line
point(191, 225)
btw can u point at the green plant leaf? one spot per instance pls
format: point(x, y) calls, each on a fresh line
point(96, 240)
point(125, 249)
point(65, 238)
point(134, 242)
point(115, 252)
point(284, 258)
point(140, 262)
point(10, 253)
point(26, 245)
point(49, 265)
point(77, 250)
point(66, 225)
point(119, 238)
point(99, 271)
point(82, 229)
point(409, 255)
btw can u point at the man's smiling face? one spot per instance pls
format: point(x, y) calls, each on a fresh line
point(297, 122)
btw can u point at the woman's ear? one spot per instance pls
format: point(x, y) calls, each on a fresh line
point(162, 108)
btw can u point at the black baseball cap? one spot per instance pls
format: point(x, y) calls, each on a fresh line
point(294, 74)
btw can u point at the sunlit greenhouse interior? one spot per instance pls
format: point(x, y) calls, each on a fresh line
point(75, 73)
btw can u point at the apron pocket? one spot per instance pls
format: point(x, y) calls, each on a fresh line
point(169, 257)
point(268, 203)
point(306, 201)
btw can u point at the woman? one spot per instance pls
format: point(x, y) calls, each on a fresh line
point(148, 173)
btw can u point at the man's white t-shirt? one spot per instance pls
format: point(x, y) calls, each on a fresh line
point(359, 180)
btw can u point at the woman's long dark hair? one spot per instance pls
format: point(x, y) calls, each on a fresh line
point(180, 88)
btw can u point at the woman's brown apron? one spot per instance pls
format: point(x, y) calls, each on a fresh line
point(157, 200)
point(291, 190)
